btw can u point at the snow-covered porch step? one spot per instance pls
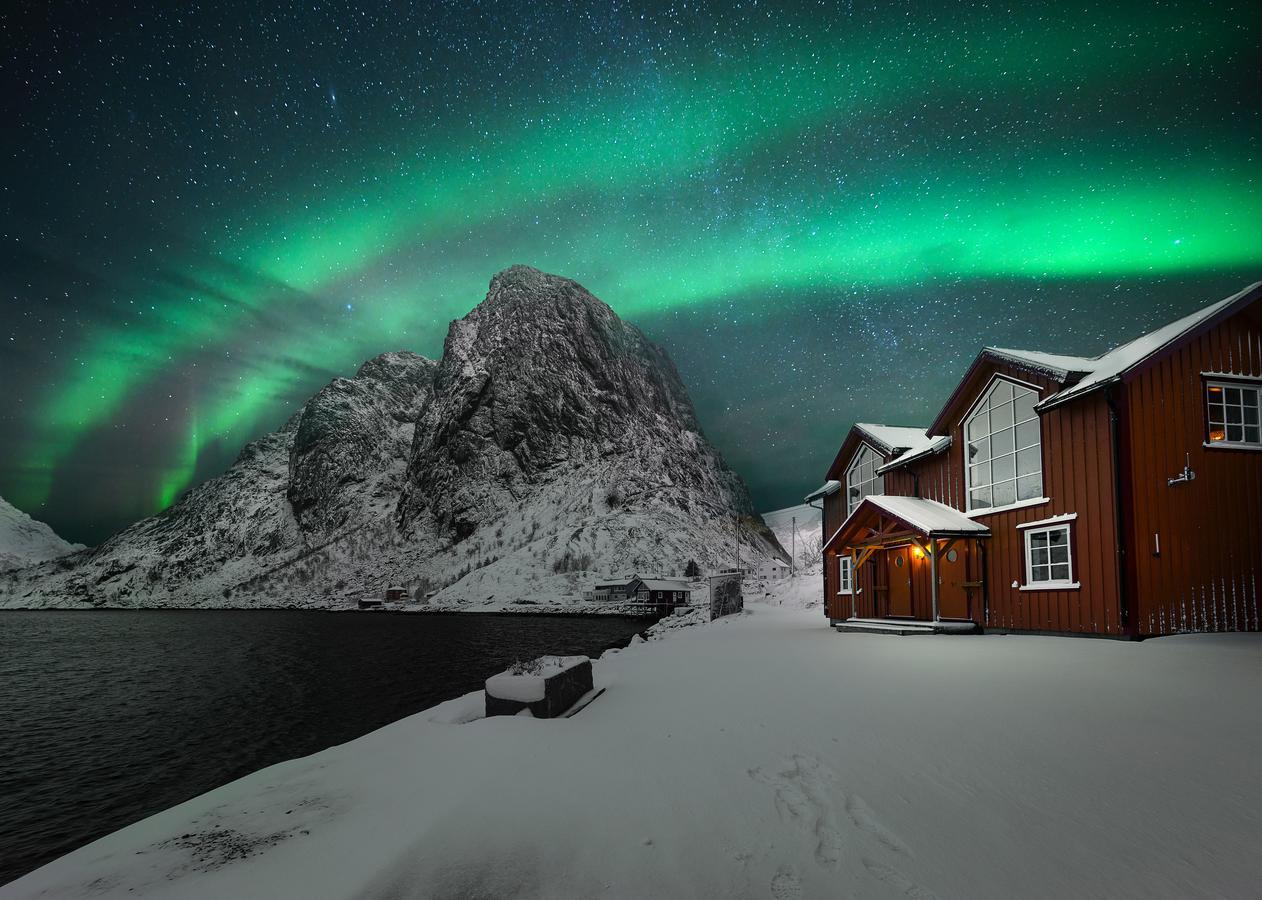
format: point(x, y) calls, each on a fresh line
point(903, 626)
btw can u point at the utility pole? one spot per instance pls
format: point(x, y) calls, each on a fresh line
point(793, 553)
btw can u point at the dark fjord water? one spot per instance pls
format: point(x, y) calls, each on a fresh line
point(108, 717)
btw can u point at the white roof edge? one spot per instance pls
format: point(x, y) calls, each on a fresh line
point(929, 516)
point(828, 487)
point(937, 446)
point(1111, 366)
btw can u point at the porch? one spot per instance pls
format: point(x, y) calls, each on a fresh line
point(907, 565)
point(904, 627)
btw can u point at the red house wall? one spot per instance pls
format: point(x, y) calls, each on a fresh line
point(1077, 478)
point(1208, 574)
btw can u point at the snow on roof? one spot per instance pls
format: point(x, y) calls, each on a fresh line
point(665, 584)
point(1056, 364)
point(1110, 366)
point(828, 487)
point(932, 445)
point(894, 437)
point(928, 516)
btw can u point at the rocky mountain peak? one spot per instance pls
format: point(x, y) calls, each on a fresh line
point(539, 378)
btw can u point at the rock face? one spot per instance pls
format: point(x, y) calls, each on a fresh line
point(543, 382)
point(353, 438)
point(552, 441)
point(24, 541)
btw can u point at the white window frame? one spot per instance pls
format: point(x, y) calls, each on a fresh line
point(1250, 387)
point(977, 409)
point(845, 574)
point(1053, 583)
point(877, 481)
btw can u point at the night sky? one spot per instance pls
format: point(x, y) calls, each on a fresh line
point(822, 211)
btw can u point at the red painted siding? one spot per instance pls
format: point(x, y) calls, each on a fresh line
point(1077, 478)
point(1208, 575)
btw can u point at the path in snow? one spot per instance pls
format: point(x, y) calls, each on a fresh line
point(761, 756)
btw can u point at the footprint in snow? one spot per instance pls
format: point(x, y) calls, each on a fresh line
point(865, 820)
point(897, 880)
point(802, 796)
point(786, 885)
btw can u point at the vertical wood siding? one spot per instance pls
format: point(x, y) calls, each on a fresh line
point(1077, 478)
point(1208, 575)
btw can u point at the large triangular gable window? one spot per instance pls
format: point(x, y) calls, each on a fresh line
point(1002, 447)
point(862, 479)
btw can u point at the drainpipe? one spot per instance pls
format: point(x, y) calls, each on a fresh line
point(1119, 520)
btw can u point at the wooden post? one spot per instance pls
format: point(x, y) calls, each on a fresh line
point(933, 576)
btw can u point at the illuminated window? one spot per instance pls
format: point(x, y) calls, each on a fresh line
point(1048, 559)
point(1002, 449)
point(1233, 413)
point(845, 575)
point(862, 479)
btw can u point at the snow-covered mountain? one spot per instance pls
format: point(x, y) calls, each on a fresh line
point(808, 521)
point(551, 442)
point(24, 540)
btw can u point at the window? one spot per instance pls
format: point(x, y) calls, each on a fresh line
point(1002, 448)
point(1233, 413)
point(845, 575)
point(1048, 561)
point(862, 479)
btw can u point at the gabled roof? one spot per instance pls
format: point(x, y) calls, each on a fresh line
point(888, 440)
point(927, 517)
point(1117, 362)
point(933, 445)
point(828, 487)
point(665, 584)
point(893, 438)
point(1079, 375)
point(1062, 368)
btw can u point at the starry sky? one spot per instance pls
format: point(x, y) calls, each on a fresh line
point(822, 210)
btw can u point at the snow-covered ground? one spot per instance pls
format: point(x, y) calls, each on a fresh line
point(762, 755)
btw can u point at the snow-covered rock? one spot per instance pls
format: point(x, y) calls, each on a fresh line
point(24, 540)
point(551, 442)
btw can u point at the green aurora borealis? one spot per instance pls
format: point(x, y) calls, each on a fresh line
point(822, 212)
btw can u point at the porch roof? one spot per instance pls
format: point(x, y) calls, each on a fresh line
point(926, 517)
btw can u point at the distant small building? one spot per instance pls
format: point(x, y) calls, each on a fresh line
point(370, 603)
point(663, 590)
point(396, 594)
point(633, 588)
point(774, 570)
point(618, 590)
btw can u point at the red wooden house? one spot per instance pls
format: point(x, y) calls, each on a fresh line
point(1117, 495)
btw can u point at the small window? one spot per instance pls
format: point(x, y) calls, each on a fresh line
point(1048, 559)
point(1232, 412)
point(845, 575)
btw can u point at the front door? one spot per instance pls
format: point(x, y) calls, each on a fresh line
point(952, 594)
point(899, 562)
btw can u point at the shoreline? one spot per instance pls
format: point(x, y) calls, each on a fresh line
point(698, 774)
point(525, 613)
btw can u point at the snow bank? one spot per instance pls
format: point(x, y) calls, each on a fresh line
point(763, 754)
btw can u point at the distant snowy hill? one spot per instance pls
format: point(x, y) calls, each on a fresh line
point(809, 522)
point(24, 540)
point(552, 441)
